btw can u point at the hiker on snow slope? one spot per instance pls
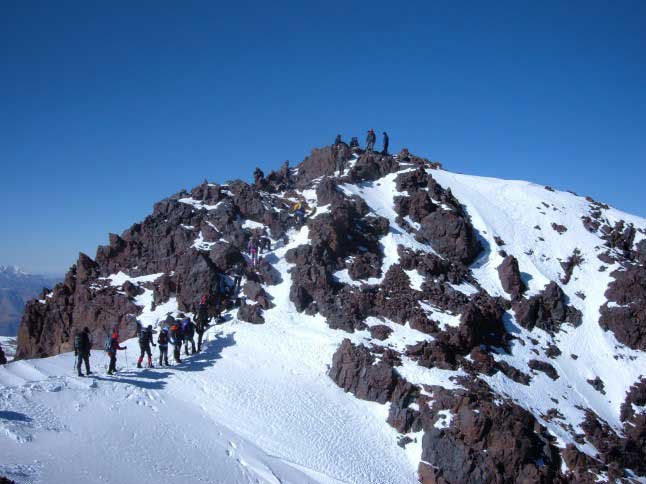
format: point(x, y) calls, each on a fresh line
point(111, 348)
point(82, 346)
point(176, 338)
point(145, 340)
point(188, 330)
point(162, 342)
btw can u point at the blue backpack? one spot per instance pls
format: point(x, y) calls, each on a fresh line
point(107, 344)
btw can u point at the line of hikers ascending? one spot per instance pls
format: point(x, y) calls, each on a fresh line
point(371, 139)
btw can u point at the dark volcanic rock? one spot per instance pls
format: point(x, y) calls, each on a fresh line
point(225, 255)
point(510, 277)
point(598, 385)
point(251, 313)
point(365, 266)
point(513, 373)
point(627, 320)
point(561, 229)
point(545, 367)
point(451, 235)
point(615, 451)
point(485, 442)
point(48, 328)
point(255, 292)
point(582, 468)
point(568, 266)
point(380, 332)
point(636, 396)
point(620, 237)
point(400, 416)
point(354, 369)
point(546, 310)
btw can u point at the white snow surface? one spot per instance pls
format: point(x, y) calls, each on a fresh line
point(257, 405)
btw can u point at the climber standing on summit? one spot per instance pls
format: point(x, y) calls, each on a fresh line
point(82, 346)
point(386, 141)
point(145, 340)
point(258, 175)
point(370, 140)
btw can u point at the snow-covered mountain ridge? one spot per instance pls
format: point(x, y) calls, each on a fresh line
point(495, 329)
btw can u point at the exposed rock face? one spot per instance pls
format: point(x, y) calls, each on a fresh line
point(568, 266)
point(546, 310)
point(165, 244)
point(380, 332)
point(450, 235)
point(627, 320)
point(448, 231)
point(545, 367)
point(510, 277)
point(484, 441)
point(354, 369)
point(251, 313)
point(48, 328)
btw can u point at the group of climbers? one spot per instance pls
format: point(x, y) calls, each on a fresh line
point(371, 139)
point(175, 332)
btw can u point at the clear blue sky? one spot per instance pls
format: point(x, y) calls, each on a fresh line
point(106, 107)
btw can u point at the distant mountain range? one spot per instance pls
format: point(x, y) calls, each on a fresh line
point(16, 288)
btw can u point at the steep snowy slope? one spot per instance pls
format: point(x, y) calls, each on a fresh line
point(492, 330)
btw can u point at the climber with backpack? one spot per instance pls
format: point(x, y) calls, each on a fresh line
point(386, 142)
point(145, 340)
point(82, 346)
point(188, 330)
point(299, 212)
point(111, 346)
point(201, 325)
point(162, 342)
point(176, 338)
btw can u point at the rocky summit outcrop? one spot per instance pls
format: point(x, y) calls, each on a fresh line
point(447, 331)
point(191, 242)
